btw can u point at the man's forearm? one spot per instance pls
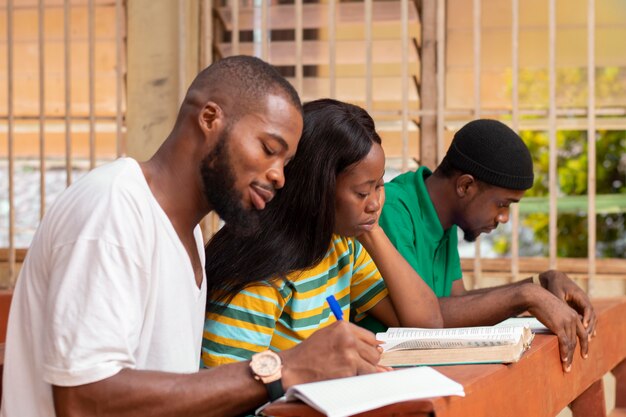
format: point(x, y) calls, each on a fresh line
point(222, 391)
point(487, 306)
point(226, 390)
point(509, 285)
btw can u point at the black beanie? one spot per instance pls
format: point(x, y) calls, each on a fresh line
point(492, 152)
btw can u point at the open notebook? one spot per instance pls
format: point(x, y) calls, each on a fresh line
point(348, 396)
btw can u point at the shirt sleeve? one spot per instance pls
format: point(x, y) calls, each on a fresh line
point(243, 327)
point(367, 287)
point(395, 220)
point(92, 337)
point(455, 260)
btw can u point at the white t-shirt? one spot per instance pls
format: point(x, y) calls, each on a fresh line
point(106, 285)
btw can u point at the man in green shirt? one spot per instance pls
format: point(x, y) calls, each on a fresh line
point(486, 169)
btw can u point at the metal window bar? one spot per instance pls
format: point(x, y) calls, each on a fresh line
point(367, 4)
point(42, 111)
point(68, 90)
point(515, 127)
point(265, 33)
point(431, 72)
point(207, 33)
point(552, 131)
point(477, 115)
point(92, 82)
point(257, 34)
point(404, 15)
point(68, 125)
point(441, 77)
point(332, 46)
point(260, 38)
point(119, 19)
point(10, 139)
point(299, 41)
point(565, 117)
point(591, 144)
point(235, 26)
point(182, 49)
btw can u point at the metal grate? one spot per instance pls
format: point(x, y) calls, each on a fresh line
point(73, 52)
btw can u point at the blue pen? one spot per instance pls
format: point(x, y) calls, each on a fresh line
point(335, 307)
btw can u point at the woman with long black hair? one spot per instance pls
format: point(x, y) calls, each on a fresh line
point(318, 237)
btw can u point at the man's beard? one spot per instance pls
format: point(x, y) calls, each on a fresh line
point(470, 235)
point(218, 180)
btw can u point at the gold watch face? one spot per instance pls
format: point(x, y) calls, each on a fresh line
point(265, 364)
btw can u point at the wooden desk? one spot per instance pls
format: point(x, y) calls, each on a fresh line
point(534, 387)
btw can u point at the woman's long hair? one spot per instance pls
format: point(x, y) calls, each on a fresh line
point(297, 225)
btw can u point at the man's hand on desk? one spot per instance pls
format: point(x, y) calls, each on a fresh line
point(339, 350)
point(559, 284)
point(563, 321)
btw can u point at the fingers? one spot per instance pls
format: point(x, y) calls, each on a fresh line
point(565, 327)
point(593, 324)
point(590, 321)
point(365, 367)
point(367, 352)
point(575, 327)
point(565, 349)
point(573, 331)
point(582, 334)
point(367, 348)
point(348, 350)
point(587, 313)
point(361, 334)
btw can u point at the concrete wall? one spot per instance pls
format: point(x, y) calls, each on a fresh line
point(155, 75)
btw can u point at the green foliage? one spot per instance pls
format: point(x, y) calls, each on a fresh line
point(571, 87)
point(572, 163)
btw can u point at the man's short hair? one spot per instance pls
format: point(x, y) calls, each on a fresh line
point(246, 81)
point(491, 152)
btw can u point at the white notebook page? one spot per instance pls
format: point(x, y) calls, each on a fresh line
point(348, 396)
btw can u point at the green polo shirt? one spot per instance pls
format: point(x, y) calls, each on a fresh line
point(411, 223)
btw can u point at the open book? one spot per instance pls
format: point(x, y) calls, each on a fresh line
point(415, 346)
point(349, 396)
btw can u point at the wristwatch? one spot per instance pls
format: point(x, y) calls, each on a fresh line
point(266, 367)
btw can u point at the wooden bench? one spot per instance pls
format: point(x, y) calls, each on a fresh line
point(534, 387)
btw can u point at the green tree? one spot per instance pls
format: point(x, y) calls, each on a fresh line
point(572, 180)
point(572, 163)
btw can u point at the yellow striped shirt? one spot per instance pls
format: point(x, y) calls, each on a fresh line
point(279, 314)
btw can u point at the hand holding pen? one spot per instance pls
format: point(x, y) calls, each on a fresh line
point(338, 313)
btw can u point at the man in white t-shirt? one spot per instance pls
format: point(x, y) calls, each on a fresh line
point(108, 310)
